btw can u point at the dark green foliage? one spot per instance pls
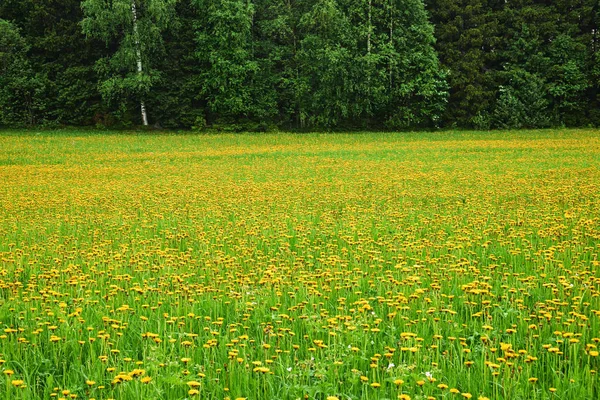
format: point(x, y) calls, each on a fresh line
point(61, 61)
point(543, 47)
point(523, 63)
point(417, 85)
point(319, 63)
point(309, 64)
point(235, 81)
point(325, 58)
point(20, 88)
point(372, 66)
point(521, 104)
point(469, 36)
point(136, 27)
point(176, 100)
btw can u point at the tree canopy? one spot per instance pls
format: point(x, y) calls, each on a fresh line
point(311, 64)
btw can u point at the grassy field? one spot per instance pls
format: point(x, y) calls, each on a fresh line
point(359, 266)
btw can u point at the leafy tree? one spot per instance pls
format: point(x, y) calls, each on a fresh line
point(417, 83)
point(324, 59)
point(374, 54)
point(320, 63)
point(137, 27)
point(523, 103)
point(233, 82)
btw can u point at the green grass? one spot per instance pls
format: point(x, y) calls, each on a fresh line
point(300, 266)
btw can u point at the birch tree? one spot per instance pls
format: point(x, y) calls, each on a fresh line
point(134, 29)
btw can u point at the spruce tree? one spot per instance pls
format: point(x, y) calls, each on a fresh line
point(469, 39)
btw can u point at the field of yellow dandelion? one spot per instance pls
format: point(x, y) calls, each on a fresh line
point(329, 267)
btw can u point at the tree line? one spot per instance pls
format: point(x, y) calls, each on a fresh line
point(300, 64)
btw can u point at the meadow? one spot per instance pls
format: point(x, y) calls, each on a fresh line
point(453, 265)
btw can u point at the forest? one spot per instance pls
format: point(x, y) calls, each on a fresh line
point(257, 65)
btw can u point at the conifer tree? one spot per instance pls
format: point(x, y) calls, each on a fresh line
point(18, 86)
point(469, 38)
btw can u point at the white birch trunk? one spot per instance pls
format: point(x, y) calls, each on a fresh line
point(138, 54)
point(391, 42)
point(369, 30)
